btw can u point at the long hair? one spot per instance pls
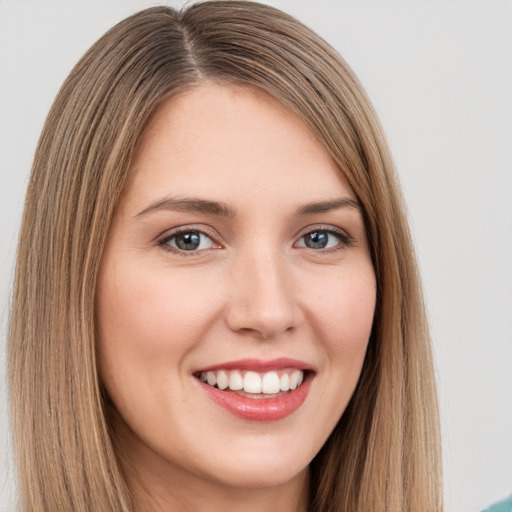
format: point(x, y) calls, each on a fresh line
point(384, 453)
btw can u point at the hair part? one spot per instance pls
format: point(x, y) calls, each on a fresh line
point(384, 453)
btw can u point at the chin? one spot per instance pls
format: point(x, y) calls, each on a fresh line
point(258, 468)
point(260, 475)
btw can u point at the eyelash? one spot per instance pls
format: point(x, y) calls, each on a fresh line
point(164, 243)
point(344, 239)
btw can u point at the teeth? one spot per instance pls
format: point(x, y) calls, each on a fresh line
point(252, 382)
point(236, 381)
point(211, 378)
point(294, 379)
point(222, 379)
point(285, 382)
point(269, 383)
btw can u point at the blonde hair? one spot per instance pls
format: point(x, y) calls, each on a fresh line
point(384, 454)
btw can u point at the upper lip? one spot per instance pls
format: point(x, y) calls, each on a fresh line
point(259, 365)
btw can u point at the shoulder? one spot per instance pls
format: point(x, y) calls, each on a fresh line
point(501, 506)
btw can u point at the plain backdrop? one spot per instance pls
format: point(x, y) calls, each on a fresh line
point(440, 75)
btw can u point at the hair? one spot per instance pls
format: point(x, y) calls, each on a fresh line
point(384, 453)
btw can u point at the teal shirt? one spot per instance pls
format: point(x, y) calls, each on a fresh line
point(502, 506)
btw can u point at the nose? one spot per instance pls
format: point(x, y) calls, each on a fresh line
point(263, 302)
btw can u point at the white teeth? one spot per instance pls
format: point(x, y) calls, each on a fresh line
point(236, 381)
point(269, 383)
point(211, 378)
point(294, 379)
point(222, 379)
point(285, 382)
point(252, 382)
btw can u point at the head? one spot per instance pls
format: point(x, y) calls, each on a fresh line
point(382, 453)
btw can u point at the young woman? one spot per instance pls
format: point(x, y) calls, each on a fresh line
point(216, 301)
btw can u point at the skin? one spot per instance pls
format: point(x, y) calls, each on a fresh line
point(253, 289)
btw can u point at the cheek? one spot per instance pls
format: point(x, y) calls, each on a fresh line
point(343, 319)
point(344, 313)
point(150, 308)
point(148, 321)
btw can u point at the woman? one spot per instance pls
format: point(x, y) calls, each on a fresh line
point(213, 199)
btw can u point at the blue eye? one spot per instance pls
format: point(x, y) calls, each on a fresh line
point(323, 239)
point(190, 240)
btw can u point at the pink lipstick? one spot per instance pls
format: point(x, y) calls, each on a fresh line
point(258, 390)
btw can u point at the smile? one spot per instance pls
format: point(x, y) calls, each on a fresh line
point(253, 384)
point(258, 391)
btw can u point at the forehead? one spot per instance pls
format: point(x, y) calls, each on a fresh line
point(231, 143)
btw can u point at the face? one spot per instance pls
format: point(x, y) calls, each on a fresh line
point(236, 293)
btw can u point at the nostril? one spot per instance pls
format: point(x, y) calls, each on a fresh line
point(265, 325)
point(264, 333)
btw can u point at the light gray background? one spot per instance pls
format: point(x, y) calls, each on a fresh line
point(440, 75)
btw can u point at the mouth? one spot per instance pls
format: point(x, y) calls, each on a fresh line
point(255, 385)
point(254, 390)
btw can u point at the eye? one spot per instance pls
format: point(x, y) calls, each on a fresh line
point(189, 240)
point(323, 239)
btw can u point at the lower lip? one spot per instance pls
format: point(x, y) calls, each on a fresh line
point(260, 409)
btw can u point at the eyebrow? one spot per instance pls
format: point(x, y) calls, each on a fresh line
point(189, 205)
point(223, 210)
point(326, 206)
